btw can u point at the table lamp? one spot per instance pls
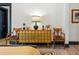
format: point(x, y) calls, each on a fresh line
point(35, 19)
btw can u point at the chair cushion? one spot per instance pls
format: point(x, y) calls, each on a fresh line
point(59, 38)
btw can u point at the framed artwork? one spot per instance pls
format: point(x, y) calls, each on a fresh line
point(75, 16)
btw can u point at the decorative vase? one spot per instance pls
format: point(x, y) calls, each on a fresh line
point(43, 27)
point(24, 26)
point(35, 27)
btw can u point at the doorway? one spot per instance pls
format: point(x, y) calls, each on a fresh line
point(3, 22)
point(5, 19)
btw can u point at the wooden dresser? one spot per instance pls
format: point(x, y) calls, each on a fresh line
point(34, 36)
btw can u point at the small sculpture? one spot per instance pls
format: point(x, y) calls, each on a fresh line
point(43, 27)
point(24, 26)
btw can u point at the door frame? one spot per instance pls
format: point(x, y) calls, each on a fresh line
point(10, 15)
point(5, 30)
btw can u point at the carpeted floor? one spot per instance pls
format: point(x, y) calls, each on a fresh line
point(47, 53)
point(72, 50)
point(59, 50)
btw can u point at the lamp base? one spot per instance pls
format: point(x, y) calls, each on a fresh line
point(23, 28)
point(35, 27)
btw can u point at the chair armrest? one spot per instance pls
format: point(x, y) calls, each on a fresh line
point(54, 35)
point(63, 34)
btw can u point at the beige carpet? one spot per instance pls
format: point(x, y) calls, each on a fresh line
point(72, 50)
point(59, 50)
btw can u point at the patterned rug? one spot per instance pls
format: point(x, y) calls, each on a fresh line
point(45, 50)
point(48, 53)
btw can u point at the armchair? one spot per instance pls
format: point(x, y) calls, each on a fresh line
point(58, 36)
point(13, 37)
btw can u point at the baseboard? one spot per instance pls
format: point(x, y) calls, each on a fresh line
point(61, 43)
point(74, 43)
point(67, 45)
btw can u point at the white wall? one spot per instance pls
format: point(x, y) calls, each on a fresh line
point(55, 14)
point(74, 27)
point(51, 13)
point(66, 23)
point(71, 29)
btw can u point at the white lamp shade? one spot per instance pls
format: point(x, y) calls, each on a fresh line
point(36, 18)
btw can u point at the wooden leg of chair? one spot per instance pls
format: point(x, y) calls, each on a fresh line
point(47, 44)
point(54, 44)
point(16, 42)
point(64, 44)
point(6, 39)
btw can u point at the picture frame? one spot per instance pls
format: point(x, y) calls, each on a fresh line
point(75, 16)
